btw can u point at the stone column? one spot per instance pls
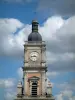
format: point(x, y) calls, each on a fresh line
point(25, 84)
point(38, 89)
point(30, 87)
point(43, 83)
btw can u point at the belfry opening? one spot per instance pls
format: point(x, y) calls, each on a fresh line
point(34, 89)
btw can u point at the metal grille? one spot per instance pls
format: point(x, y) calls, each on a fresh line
point(34, 89)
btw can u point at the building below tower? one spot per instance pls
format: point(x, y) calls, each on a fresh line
point(34, 86)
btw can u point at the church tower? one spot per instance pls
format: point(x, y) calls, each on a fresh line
point(34, 70)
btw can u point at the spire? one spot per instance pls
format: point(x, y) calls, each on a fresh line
point(35, 26)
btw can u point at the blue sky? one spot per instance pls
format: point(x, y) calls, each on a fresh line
point(17, 10)
point(56, 25)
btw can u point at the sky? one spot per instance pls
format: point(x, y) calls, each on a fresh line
point(57, 27)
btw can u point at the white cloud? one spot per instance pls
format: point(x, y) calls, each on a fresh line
point(52, 57)
point(50, 27)
point(52, 74)
point(8, 86)
point(13, 23)
point(58, 33)
point(11, 43)
point(67, 90)
point(9, 96)
point(59, 97)
point(7, 83)
point(66, 94)
point(60, 39)
point(67, 85)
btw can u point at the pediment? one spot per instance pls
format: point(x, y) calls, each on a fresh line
point(34, 78)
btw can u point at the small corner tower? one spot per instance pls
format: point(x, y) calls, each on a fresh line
point(34, 69)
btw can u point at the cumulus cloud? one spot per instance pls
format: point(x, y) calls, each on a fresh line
point(9, 39)
point(58, 33)
point(60, 43)
point(57, 7)
point(50, 27)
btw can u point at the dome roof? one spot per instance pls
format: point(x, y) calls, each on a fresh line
point(34, 35)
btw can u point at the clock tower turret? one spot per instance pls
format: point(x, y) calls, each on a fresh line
point(34, 70)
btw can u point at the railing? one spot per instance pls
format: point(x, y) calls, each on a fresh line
point(34, 42)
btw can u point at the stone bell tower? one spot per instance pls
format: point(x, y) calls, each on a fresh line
point(34, 70)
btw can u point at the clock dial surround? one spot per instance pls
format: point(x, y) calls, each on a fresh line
point(34, 56)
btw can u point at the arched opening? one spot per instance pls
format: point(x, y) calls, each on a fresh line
point(34, 89)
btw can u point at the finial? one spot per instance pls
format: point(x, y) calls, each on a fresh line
point(49, 84)
point(35, 23)
point(19, 84)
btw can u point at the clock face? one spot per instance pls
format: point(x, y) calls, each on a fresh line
point(34, 56)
